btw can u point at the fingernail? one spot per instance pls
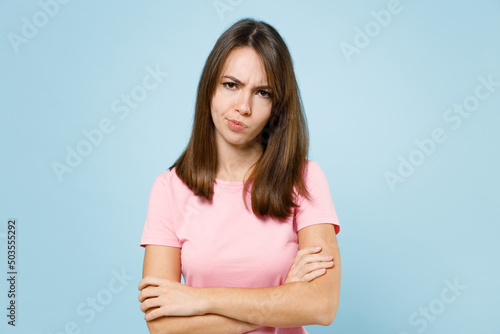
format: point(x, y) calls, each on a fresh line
point(318, 247)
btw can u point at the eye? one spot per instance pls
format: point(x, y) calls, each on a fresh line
point(264, 93)
point(229, 85)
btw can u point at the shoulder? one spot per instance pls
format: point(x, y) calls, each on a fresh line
point(318, 207)
point(313, 177)
point(312, 166)
point(172, 182)
point(314, 174)
point(168, 176)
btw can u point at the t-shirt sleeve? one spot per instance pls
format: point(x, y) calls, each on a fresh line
point(159, 226)
point(319, 209)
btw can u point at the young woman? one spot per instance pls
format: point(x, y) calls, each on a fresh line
point(242, 209)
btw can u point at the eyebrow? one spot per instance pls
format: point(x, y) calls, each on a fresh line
point(241, 83)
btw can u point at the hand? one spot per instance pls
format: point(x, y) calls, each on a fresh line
point(170, 298)
point(308, 266)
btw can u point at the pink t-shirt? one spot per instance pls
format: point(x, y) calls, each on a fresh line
point(224, 244)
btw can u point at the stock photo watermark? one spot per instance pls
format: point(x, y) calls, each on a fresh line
point(12, 273)
point(430, 312)
point(453, 116)
point(88, 309)
point(122, 107)
point(31, 26)
point(363, 36)
point(224, 6)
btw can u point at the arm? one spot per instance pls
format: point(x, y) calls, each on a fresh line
point(164, 261)
point(306, 268)
point(289, 305)
point(208, 323)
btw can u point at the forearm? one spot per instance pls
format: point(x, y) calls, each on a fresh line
point(289, 305)
point(206, 324)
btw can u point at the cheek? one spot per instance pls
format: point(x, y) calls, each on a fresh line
point(220, 102)
point(263, 103)
point(263, 109)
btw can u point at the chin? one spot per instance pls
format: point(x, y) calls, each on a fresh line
point(237, 141)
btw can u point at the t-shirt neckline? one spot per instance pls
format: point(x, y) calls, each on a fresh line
point(229, 183)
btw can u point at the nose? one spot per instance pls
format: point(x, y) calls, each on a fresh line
point(244, 102)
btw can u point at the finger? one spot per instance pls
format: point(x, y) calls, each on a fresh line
point(310, 258)
point(150, 280)
point(149, 303)
point(308, 250)
point(150, 291)
point(321, 265)
point(153, 314)
point(308, 268)
point(143, 284)
point(314, 274)
point(317, 258)
point(323, 257)
point(305, 269)
point(301, 261)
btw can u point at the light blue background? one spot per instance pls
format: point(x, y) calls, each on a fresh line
point(398, 245)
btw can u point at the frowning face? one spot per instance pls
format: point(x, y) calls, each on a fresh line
point(241, 105)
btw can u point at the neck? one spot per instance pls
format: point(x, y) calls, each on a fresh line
point(234, 162)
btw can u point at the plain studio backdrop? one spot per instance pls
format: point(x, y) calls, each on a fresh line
point(402, 100)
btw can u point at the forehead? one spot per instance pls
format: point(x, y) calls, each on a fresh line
point(246, 65)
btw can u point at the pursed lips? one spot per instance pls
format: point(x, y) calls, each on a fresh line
point(237, 122)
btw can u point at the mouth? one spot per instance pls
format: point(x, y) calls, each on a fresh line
point(237, 123)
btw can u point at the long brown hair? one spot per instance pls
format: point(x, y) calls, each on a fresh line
point(280, 170)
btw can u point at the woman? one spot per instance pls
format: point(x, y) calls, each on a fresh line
point(242, 264)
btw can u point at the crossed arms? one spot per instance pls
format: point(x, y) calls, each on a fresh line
point(172, 307)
